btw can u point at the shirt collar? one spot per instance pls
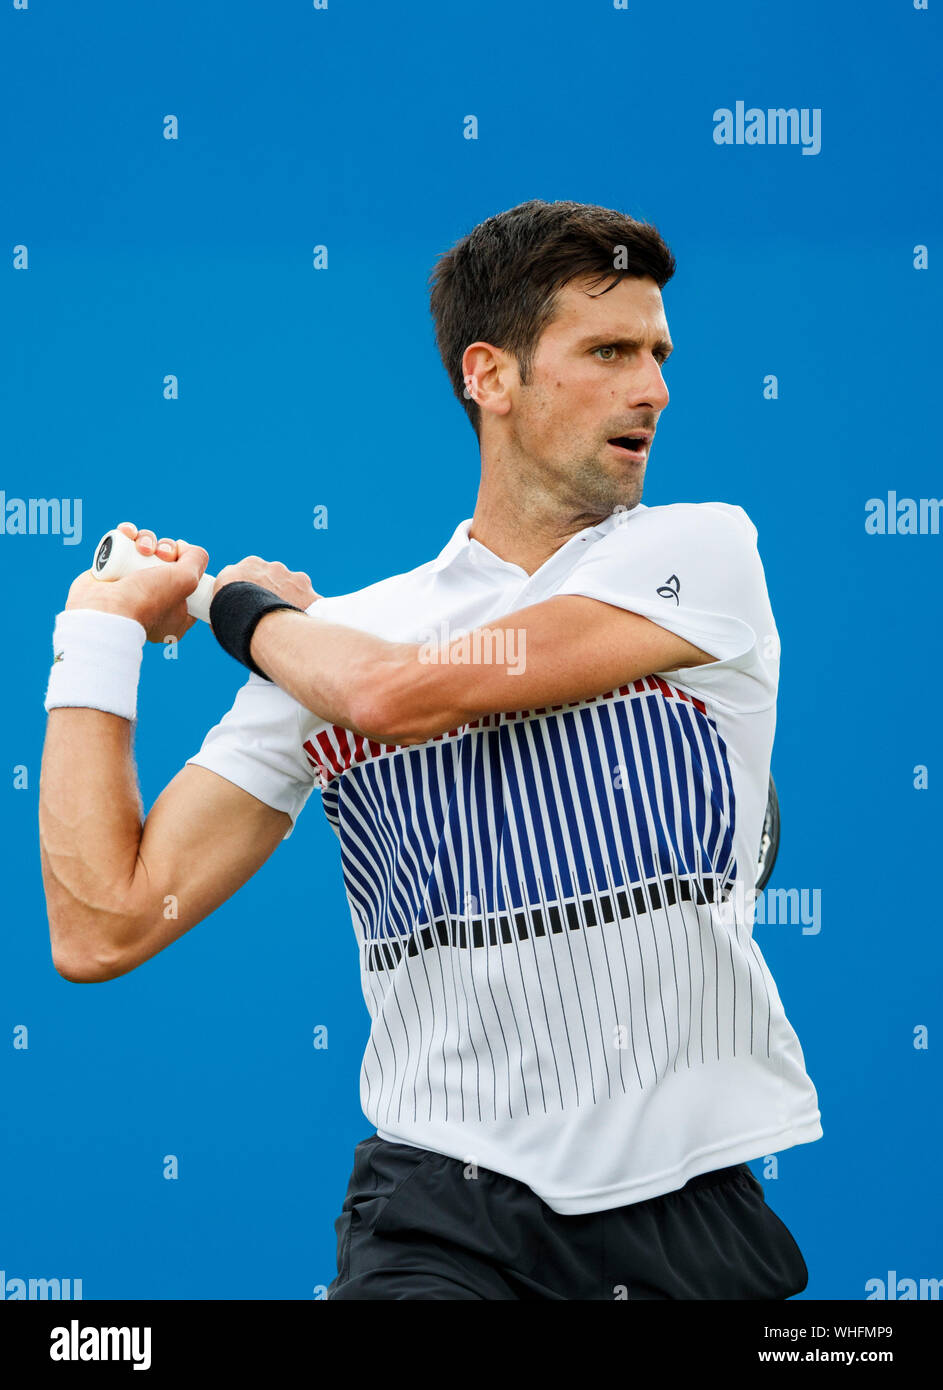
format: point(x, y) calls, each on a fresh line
point(462, 546)
point(458, 542)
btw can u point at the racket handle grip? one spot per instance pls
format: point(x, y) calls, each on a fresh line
point(117, 556)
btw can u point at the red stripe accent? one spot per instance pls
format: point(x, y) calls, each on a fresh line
point(328, 749)
point(345, 751)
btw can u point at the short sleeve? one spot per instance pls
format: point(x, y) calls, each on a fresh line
point(257, 745)
point(691, 568)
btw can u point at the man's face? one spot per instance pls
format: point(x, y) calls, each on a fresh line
point(596, 377)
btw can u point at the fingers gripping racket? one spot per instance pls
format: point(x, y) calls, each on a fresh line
point(117, 556)
point(769, 839)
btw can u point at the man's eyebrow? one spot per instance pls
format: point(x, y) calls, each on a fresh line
point(600, 339)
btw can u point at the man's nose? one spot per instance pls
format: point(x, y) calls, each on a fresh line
point(649, 388)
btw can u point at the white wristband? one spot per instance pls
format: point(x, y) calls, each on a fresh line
point(97, 662)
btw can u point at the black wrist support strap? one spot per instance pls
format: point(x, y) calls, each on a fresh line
point(234, 614)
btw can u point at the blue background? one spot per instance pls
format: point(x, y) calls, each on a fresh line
point(299, 387)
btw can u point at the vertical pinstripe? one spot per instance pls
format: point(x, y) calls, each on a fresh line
point(535, 900)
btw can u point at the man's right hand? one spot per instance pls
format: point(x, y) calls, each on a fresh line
point(155, 597)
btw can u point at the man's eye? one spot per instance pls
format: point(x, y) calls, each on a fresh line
point(660, 357)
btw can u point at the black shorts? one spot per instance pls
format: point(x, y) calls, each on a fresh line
point(414, 1226)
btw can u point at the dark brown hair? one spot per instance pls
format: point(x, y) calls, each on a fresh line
point(499, 283)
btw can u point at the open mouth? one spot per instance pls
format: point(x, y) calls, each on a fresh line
point(632, 442)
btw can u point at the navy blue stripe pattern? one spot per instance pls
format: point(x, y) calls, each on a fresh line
point(533, 902)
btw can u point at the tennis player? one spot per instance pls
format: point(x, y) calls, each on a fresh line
point(545, 753)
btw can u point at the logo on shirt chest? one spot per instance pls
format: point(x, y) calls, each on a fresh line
point(670, 589)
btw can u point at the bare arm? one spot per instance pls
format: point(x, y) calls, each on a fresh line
point(119, 890)
point(119, 887)
point(563, 649)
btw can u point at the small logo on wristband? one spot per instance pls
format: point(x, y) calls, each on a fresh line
point(58, 657)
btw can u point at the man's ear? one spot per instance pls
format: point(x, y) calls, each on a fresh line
point(485, 371)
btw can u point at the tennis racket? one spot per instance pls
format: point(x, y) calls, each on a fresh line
point(769, 839)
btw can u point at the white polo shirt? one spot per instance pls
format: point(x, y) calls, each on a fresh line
point(558, 987)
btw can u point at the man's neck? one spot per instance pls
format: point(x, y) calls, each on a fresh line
point(522, 532)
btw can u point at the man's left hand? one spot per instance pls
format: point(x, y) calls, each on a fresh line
point(294, 586)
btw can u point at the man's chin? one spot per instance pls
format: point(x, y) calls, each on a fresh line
point(629, 495)
point(595, 488)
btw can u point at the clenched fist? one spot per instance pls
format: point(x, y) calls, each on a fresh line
point(156, 598)
point(293, 586)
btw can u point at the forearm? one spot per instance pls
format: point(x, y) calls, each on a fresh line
point(563, 649)
point(394, 692)
point(363, 683)
point(90, 826)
